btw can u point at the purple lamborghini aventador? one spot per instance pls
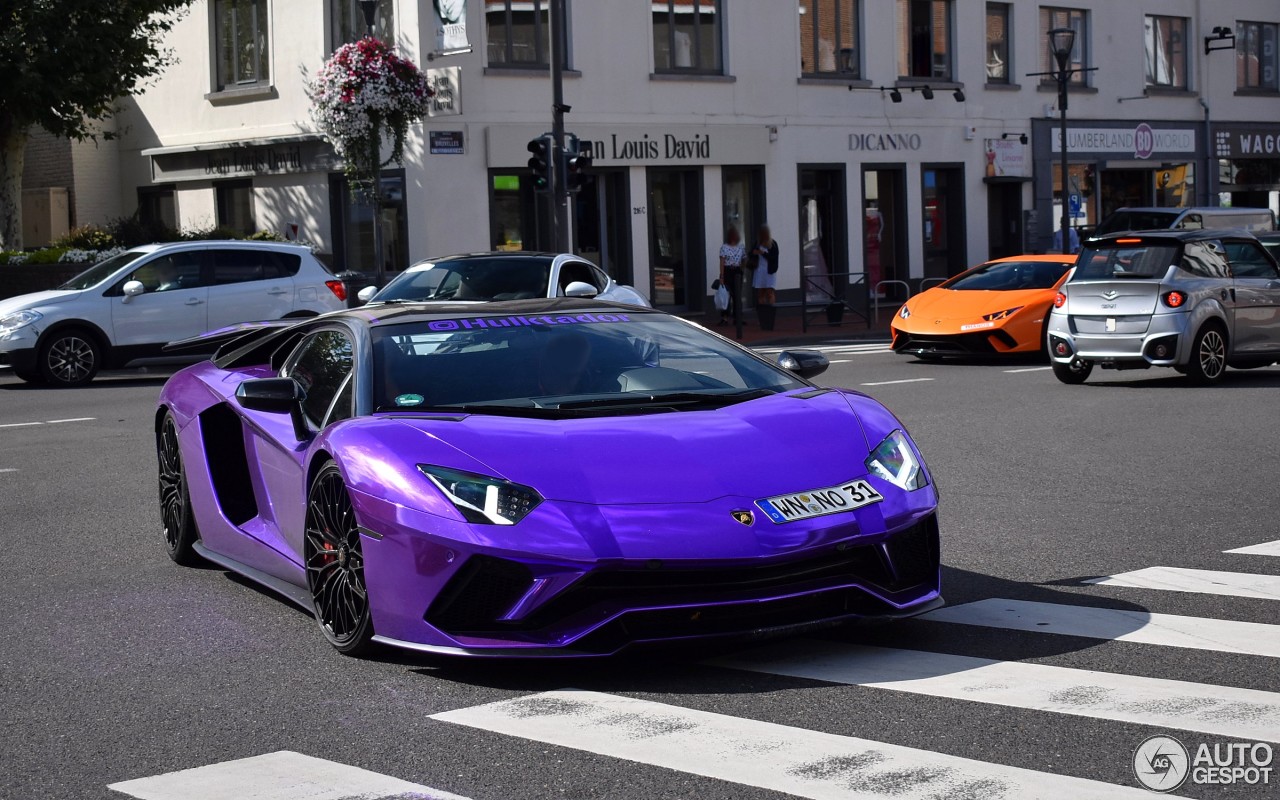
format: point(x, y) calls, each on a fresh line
point(541, 477)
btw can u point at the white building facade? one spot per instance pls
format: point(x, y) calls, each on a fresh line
point(881, 140)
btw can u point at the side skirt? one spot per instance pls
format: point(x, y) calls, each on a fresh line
point(295, 594)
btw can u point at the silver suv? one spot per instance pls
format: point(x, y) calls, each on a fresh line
point(1198, 301)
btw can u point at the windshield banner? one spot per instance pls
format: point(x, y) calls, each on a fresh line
point(520, 322)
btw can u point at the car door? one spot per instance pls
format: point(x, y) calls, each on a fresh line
point(1257, 298)
point(248, 285)
point(323, 363)
point(173, 306)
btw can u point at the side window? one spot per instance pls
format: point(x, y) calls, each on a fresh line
point(170, 272)
point(572, 271)
point(322, 361)
point(344, 407)
point(280, 265)
point(601, 280)
point(237, 266)
point(1248, 261)
point(1205, 260)
point(1192, 222)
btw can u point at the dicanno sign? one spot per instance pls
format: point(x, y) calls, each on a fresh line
point(879, 142)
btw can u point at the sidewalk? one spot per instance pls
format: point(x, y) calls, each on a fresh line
point(788, 329)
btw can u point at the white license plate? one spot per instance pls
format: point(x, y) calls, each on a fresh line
point(819, 502)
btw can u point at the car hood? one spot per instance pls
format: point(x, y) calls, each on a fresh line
point(770, 446)
point(34, 300)
point(969, 306)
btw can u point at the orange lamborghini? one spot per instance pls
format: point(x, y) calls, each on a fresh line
point(1001, 306)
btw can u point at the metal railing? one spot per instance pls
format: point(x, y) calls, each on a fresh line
point(834, 293)
point(906, 295)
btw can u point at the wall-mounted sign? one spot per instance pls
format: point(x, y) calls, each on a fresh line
point(1247, 140)
point(451, 26)
point(1142, 141)
point(243, 160)
point(450, 143)
point(641, 145)
point(446, 82)
point(1006, 158)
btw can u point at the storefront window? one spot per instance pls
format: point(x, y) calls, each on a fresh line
point(1078, 21)
point(884, 243)
point(240, 42)
point(234, 206)
point(924, 39)
point(829, 38)
point(823, 233)
point(1256, 56)
point(686, 36)
point(348, 22)
point(1166, 51)
point(944, 240)
point(675, 236)
point(354, 231)
point(998, 43)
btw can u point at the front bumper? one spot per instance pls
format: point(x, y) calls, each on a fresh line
point(22, 360)
point(979, 343)
point(432, 596)
point(1163, 343)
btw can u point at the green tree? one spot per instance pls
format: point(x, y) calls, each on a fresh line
point(64, 64)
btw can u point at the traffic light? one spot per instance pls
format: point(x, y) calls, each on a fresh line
point(579, 162)
point(540, 163)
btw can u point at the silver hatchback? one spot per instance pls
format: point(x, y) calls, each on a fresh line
point(1196, 301)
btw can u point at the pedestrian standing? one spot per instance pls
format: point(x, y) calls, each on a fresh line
point(732, 257)
point(765, 280)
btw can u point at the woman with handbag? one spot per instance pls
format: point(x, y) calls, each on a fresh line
point(732, 256)
point(765, 281)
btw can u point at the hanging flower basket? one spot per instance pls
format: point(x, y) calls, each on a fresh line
point(363, 94)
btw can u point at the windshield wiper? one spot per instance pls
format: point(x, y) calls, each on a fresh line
point(668, 398)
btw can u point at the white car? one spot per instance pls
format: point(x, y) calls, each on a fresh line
point(517, 275)
point(124, 310)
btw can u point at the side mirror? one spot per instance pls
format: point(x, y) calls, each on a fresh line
point(805, 363)
point(580, 289)
point(275, 396)
point(366, 294)
point(132, 289)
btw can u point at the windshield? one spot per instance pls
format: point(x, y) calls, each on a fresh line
point(561, 365)
point(496, 278)
point(101, 271)
point(1121, 221)
point(1125, 261)
point(1009, 276)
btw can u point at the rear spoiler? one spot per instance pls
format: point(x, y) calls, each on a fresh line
point(222, 337)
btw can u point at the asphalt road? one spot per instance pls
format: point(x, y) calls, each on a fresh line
point(116, 664)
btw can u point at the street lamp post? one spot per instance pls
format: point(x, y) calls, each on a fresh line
point(370, 10)
point(1061, 42)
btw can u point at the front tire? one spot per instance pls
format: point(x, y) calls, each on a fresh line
point(33, 377)
point(180, 532)
point(335, 565)
point(70, 357)
point(1208, 356)
point(1075, 373)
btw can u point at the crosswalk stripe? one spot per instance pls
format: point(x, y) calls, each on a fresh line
point(1200, 581)
point(894, 383)
point(282, 775)
point(1115, 624)
point(767, 755)
point(1264, 549)
point(1216, 710)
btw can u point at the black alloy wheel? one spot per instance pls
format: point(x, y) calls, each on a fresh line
point(1074, 373)
point(180, 533)
point(69, 357)
point(1208, 356)
point(335, 565)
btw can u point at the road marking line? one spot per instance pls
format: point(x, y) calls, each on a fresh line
point(840, 361)
point(892, 383)
point(1027, 369)
point(1264, 549)
point(1199, 707)
point(283, 775)
point(73, 419)
point(8, 469)
point(20, 424)
point(1115, 624)
point(1200, 581)
point(794, 761)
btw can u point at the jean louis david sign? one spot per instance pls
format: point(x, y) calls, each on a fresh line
point(1141, 141)
point(641, 145)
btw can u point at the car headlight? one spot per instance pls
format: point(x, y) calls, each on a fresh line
point(904, 312)
point(894, 461)
point(481, 499)
point(18, 319)
point(1008, 312)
